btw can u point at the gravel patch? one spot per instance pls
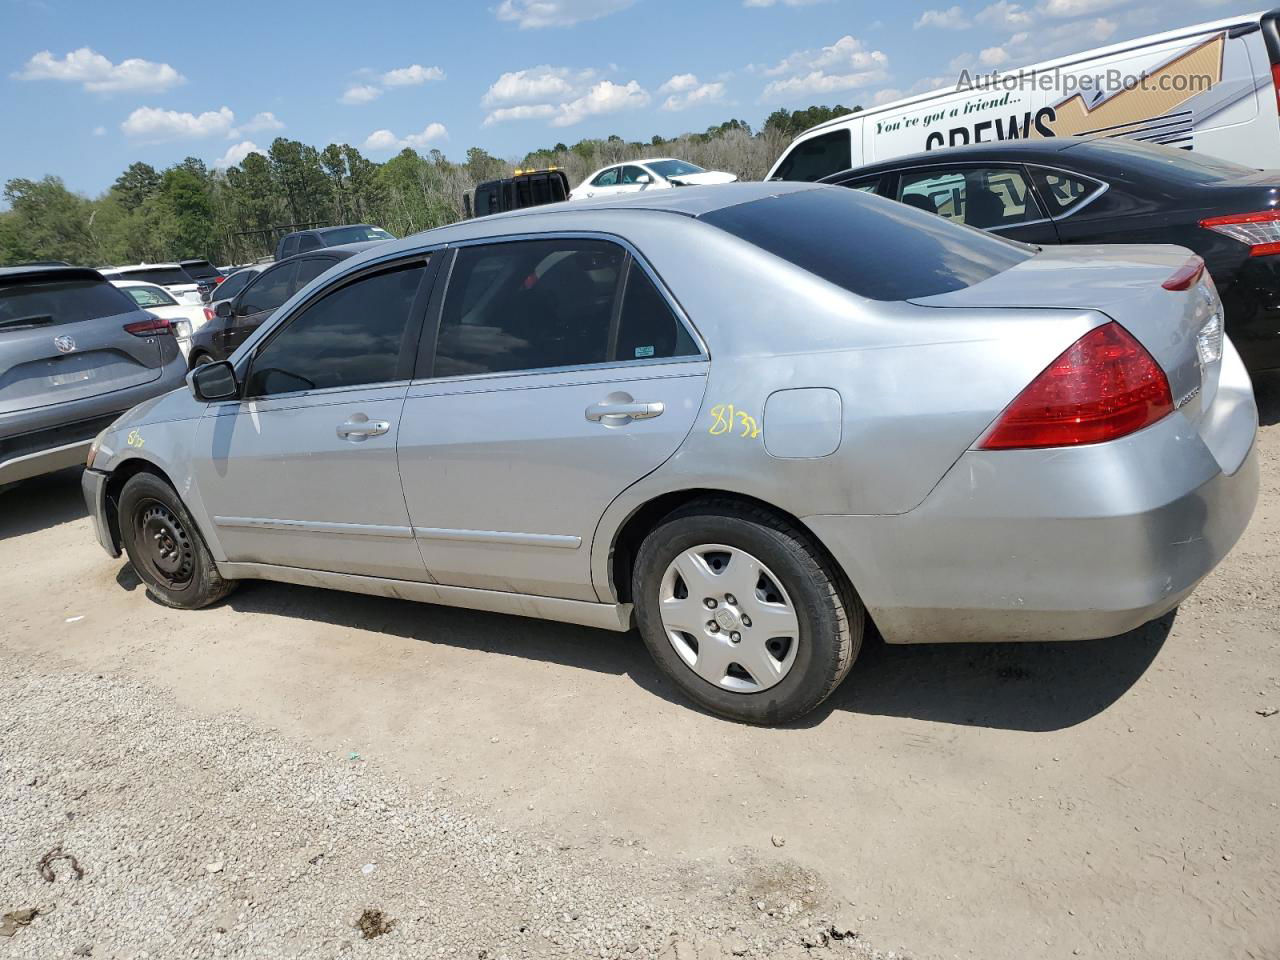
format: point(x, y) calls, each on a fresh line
point(210, 837)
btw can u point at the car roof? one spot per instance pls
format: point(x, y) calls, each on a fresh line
point(343, 250)
point(41, 272)
point(143, 266)
point(1012, 151)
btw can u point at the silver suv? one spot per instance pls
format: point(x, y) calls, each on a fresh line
point(75, 353)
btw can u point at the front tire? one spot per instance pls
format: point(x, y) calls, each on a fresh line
point(744, 612)
point(165, 547)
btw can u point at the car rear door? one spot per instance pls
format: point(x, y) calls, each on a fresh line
point(559, 374)
point(301, 471)
point(63, 338)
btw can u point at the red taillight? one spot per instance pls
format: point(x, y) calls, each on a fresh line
point(1105, 386)
point(1260, 231)
point(1275, 80)
point(1186, 276)
point(149, 327)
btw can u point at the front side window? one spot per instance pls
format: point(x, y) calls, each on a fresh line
point(150, 297)
point(817, 157)
point(1063, 192)
point(609, 178)
point(984, 197)
point(673, 168)
point(272, 288)
point(290, 246)
point(631, 175)
point(528, 305)
point(350, 337)
point(308, 241)
point(229, 287)
point(309, 269)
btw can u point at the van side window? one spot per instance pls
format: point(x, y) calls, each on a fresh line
point(985, 197)
point(817, 157)
point(1063, 192)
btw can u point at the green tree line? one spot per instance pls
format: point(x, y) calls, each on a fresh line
point(235, 215)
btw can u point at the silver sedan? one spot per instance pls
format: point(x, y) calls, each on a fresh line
point(749, 419)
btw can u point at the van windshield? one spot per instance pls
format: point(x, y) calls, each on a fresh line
point(871, 246)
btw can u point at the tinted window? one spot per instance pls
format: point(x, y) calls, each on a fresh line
point(270, 289)
point(24, 305)
point(1152, 160)
point(309, 269)
point(150, 297)
point(165, 276)
point(290, 246)
point(632, 175)
point(648, 329)
point(1063, 192)
point(308, 241)
point(233, 284)
point(871, 247)
point(817, 157)
point(607, 179)
point(353, 336)
point(358, 234)
point(983, 197)
point(528, 305)
point(673, 168)
point(201, 270)
point(865, 185)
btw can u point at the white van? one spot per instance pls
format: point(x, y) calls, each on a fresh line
point(1212, 88)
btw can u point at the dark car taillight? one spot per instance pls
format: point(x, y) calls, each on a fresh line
point(149, 327)
point(1260, 231)
point(1103, 387)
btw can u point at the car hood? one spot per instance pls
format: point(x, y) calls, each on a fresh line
point(706, 177)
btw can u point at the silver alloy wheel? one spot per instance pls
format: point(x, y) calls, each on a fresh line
point(729, 618)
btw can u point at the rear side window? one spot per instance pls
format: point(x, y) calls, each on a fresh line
point(528, 305)
point(869, 246)
point(647, 328)
point(1063, 192)
point(985, 197)
point(26, 305)
point(309, 241)
point(290, 246)
point(351, 337)
point(817, 157)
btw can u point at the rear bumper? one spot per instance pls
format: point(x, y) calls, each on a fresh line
point(1060, 544)
point(94, 486)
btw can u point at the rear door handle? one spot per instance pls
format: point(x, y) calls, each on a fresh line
point(360, 428)
point(612, 412)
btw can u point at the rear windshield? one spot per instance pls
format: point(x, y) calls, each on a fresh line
point(48, 303)
point(340, 235)
point(165, 276)
point(201, 269)
point(150, 297)
point(873, 247)
point(1166, 162)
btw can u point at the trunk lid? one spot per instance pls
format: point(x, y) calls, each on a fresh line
point(1124, 283)
point(62, 338)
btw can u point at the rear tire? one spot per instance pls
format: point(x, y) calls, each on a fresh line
point(165, 547)
point(785, 627)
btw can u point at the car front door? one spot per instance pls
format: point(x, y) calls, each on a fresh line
point(301, 471)
point(994, 197)
point(559, 375)
point(256, 302)
point(604, 183)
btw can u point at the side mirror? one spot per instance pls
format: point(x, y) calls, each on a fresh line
point(214, 381)
point(644, 178)
point(223, 309)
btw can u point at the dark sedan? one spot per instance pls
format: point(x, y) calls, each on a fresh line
point(1077, 190)
point(234, 319)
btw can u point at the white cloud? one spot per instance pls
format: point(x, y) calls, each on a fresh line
point(685, 92)
point(360, 93)
point(952, 18)
point(887, 95)
point(236, 153)
point(411, 76)
point(605, 97)
point(845, 65)
point(526, 111)
point(1077, 8)
point(261, 121)
point(1005, 16)
point(99, 131)
point(152, 123)
point(534, 14)
point(97, 74)
point(537, 84)
point(381, 140)
point(994, 56)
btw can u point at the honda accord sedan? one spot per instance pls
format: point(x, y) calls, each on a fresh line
point(749, 419)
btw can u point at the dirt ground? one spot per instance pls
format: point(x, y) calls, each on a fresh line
point(1115, 798)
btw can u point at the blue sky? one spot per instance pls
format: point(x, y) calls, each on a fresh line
point(88, 87)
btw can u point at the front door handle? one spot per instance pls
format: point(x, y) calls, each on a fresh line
point(617, 409)
point(360, 428)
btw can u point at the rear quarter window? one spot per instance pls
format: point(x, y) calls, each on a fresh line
point(868, 245)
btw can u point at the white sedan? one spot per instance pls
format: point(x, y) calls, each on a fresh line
point(658, 174)
point(184, 319)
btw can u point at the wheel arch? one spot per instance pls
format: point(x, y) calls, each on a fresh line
point(121, 474)
point(645, 517)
